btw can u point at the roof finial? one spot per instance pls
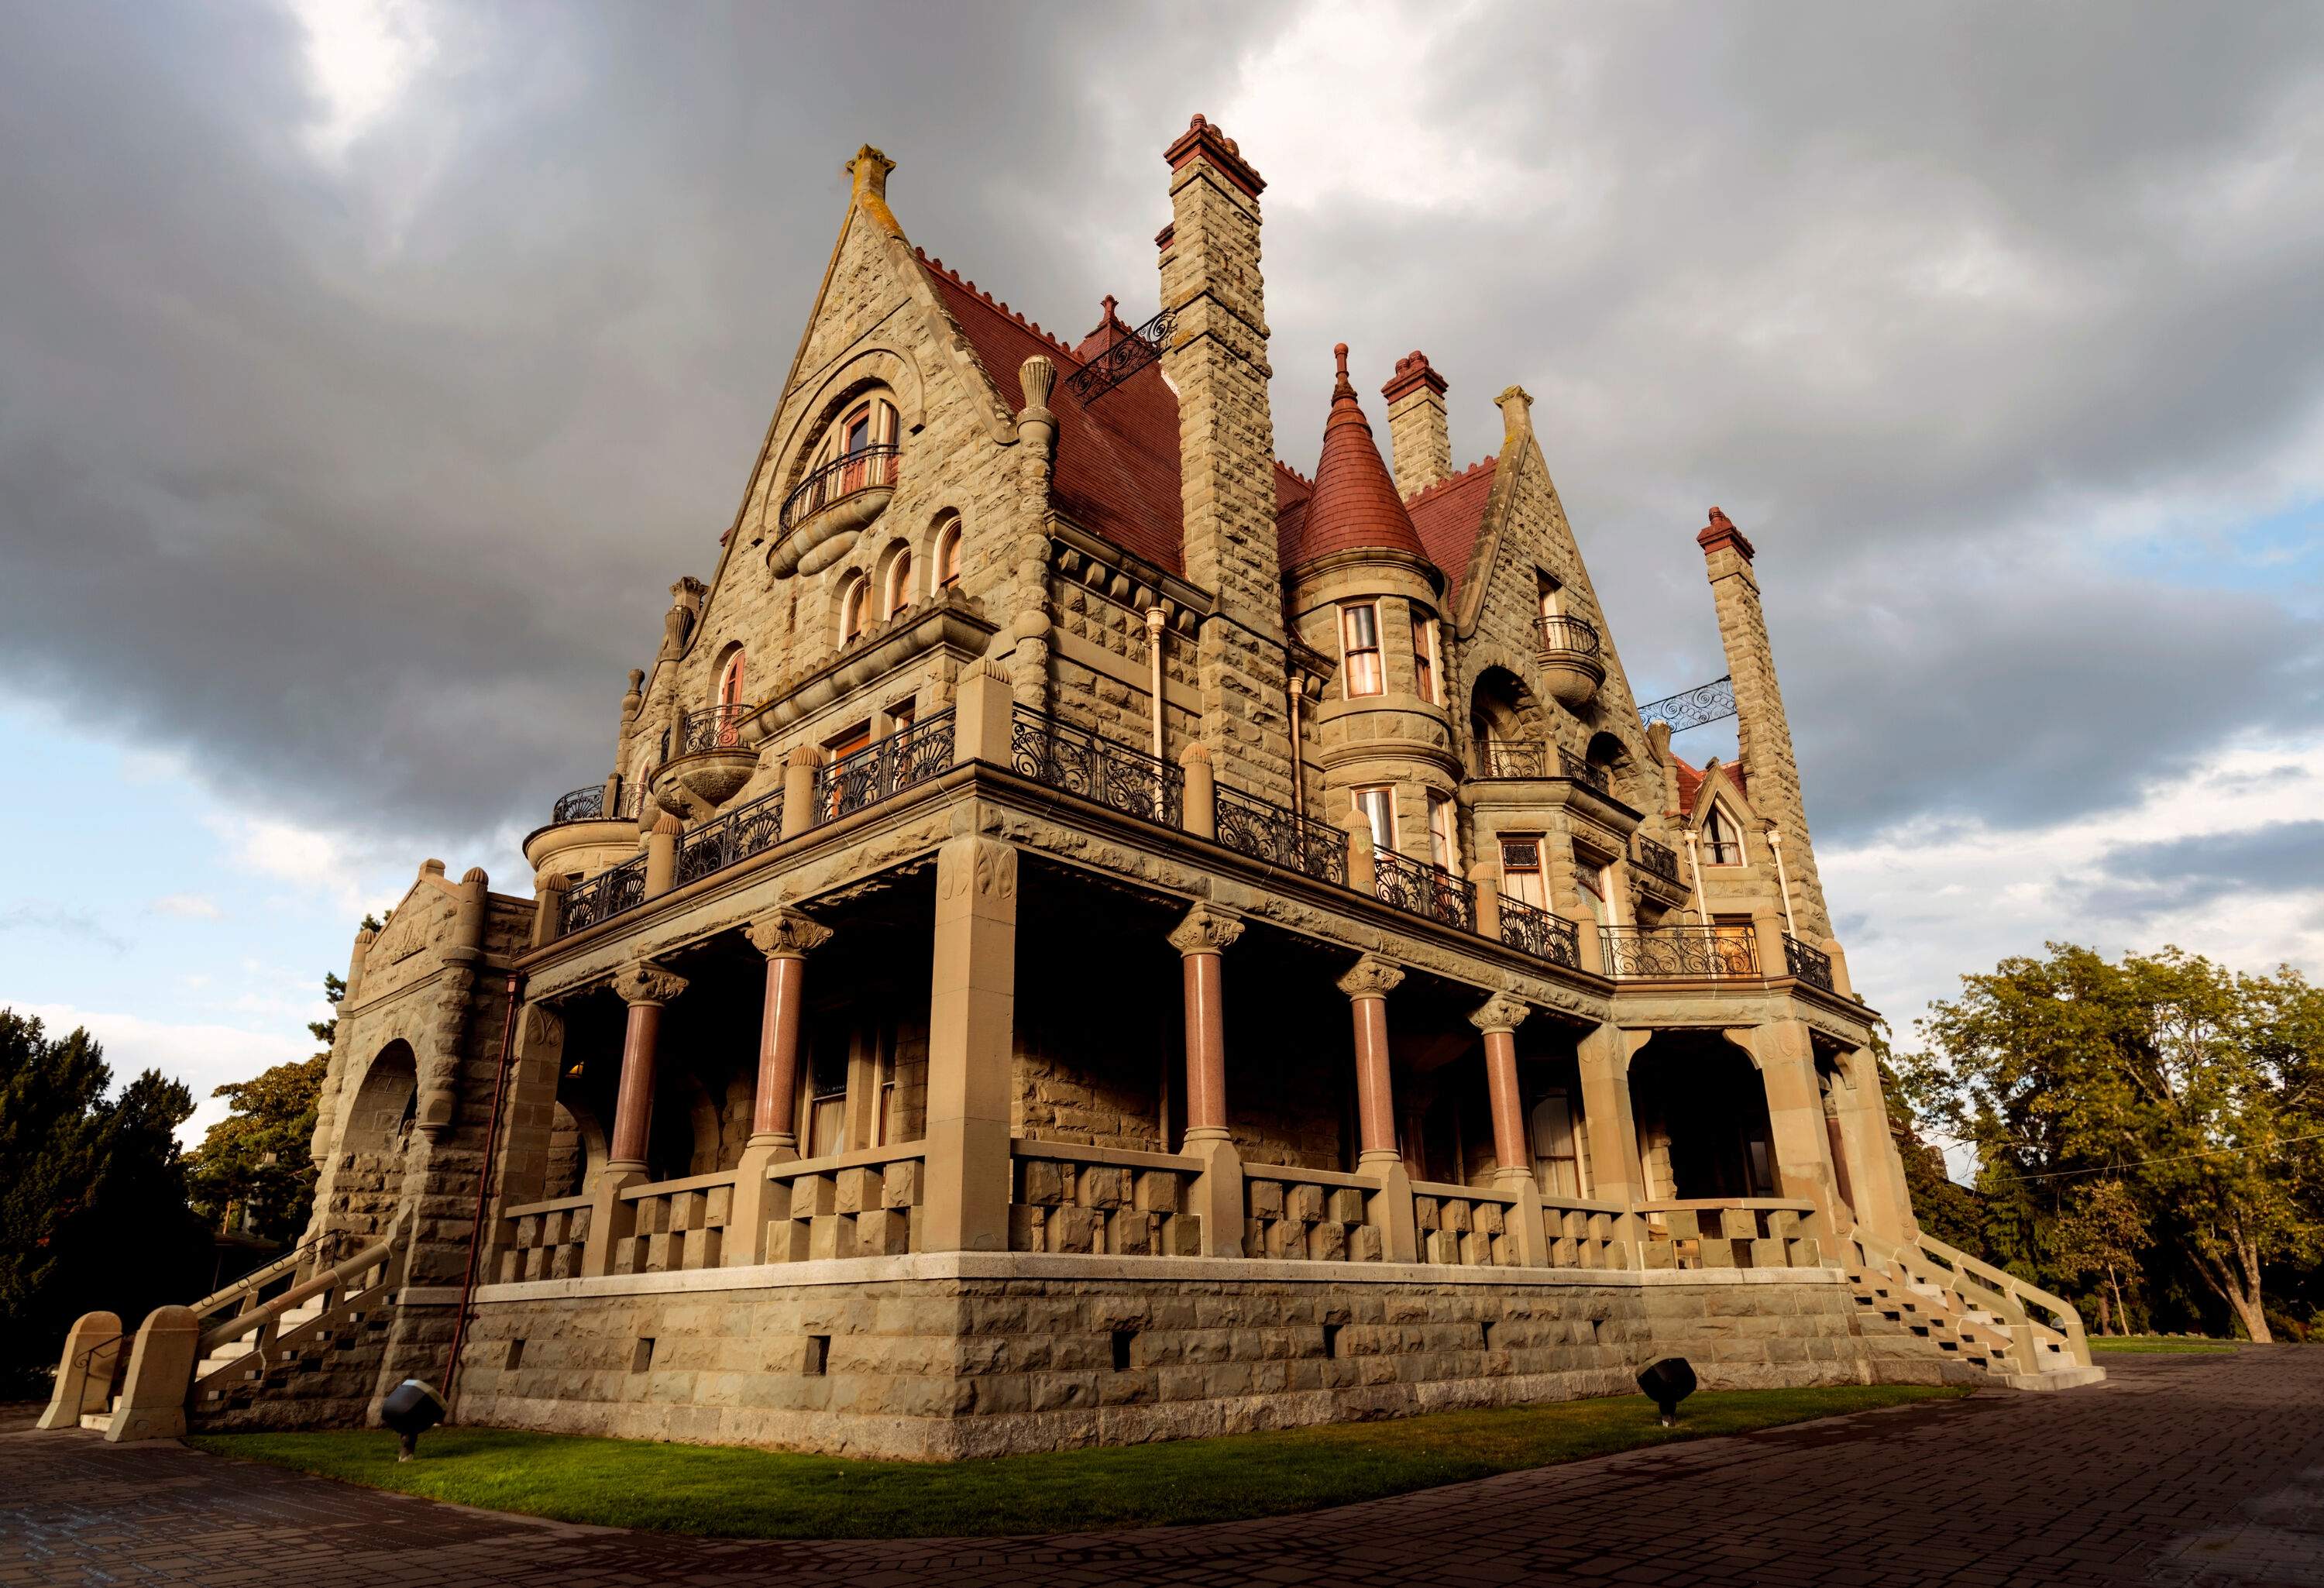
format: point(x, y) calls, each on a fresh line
point(1109, 301)
point(1341, 386)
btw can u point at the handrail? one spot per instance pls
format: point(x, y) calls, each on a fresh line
point(83, 1360)
point(1566, 634)
point(2069, 1323)
point(1442, 1188)
point(554, 1204)
point(264, 1274)
point(1293, 1175)
point(649, 1188)
point(343, 1273)
point(862, 469)
point(1119, 1158)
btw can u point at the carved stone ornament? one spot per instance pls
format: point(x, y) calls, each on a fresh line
point(994, 870)
point(787, 934)
point(1500, 1012)
point(642, 981)
point(1205, 931)
point(1372, 977)
point(544, 1027)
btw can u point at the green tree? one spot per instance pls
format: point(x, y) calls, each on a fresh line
point(2163, 1094)
point(92, 1193)
point(254, 1170)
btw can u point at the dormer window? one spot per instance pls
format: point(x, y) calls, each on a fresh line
point(1723, 843)
point(1359, 649)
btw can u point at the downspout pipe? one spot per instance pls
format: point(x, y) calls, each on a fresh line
point(484, 1194)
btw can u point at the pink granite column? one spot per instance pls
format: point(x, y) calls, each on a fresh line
point(645, 987)
point(1498, 1020)
point(1200, 940)
point(1368, 987)
point(786, 937)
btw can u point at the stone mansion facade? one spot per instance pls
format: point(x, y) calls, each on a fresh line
point(1088, 935)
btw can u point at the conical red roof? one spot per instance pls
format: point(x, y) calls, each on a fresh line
point(1355, 504)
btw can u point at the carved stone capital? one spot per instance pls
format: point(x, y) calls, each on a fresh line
point(787, 934)
point(1500, 1012)
point(1372, 977)
point(642, 981)
point(1206, 931)
point(544, 1026)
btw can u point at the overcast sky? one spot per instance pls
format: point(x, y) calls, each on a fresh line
point(368, 371)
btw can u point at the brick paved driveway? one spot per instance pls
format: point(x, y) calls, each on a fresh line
point(2192, 1470)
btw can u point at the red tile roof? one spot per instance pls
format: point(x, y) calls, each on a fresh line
point(1447, 515)
point(1689, 782)
point(1117, 471)
point(1354, 504)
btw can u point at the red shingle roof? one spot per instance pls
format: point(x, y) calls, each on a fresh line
point(1117, 471)
point(1689, 782)
point(1354, 504)
point(1447, 515)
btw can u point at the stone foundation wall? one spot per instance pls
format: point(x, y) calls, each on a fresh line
point(950, 1356)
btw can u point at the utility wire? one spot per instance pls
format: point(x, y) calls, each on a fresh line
point(2176, 1156)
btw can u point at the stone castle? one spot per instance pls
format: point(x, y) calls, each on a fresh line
point(1090, 936)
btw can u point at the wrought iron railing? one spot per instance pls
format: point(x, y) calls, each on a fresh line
point(1566, 634)
point(588, 805)
point(1515, 760)
point(1423, 889)
point(887, 767)
point(1267, 832)
point(742, 833)
point(605, 895)
point(1811, 966)
point(842, 477)
point(1131, 782)
point(1582, 771)
point(1690, 708)
point(714, 727)
point(1657, 859)
point(1680, 952)
point(1535, 931)
point(1125, 358)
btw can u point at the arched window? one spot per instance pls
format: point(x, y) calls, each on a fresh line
point(865, 437)
point(730, 697)
point(852, 601)
point(948, 554)
point(897, 595)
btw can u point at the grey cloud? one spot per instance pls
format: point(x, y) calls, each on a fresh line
point(365, 489)
point(61, 920)
point(2180, 873)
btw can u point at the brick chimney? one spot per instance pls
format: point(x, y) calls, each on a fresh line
point(1762, 734)
point(1416, 431)
point(1217, 360)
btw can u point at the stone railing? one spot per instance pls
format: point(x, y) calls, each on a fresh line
point(2007, 1303)
point(1314, 1215)
point(1586, 1235)
point(1466, 1226)
point(861, 1204)
point(545, 1239)
point(1102, 1200)
point(674, 1225)
point(1730, 1232)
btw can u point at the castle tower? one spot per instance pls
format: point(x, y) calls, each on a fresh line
point(1763, 732)
point(1215, 359)
point(1363, 589)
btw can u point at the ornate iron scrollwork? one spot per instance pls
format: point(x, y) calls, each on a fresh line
point(1123, 359)
point(1690, 708)
point(1422, 890)
point(860, 470)
point(1533, 930)
point(606, 895)
point(1680, 952)
point(1267, 832)
point(1116, 776)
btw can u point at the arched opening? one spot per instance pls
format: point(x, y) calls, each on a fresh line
point(379, 1129)
point(1605, 751)
point(1701, 1114)
point(896, 581)
point(944, 564)
point(854, 597)
point(577, 1149)
point(1505, 726)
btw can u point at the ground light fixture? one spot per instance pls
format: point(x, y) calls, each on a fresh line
point(1666, 1383)
point(413, 1408)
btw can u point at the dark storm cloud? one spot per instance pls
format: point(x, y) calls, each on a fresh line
point(365, 482)
point(2185, 873)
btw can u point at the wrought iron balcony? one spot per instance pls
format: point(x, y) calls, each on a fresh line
point(1267, 832)
point(588, 805)
point(737, 836)
point(1680, 952)
point(1566, 634)
point(1659, 860)
point(1535, 931)
point(889, 767)
point(1811, 966)
point(1116, 776)
point(1423, 889)
point(1584, 771)
point(1515, 760)
point(715, 727)
point(867, 468)
point(605, 895)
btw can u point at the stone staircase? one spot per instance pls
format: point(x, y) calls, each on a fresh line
point(1973, 1322)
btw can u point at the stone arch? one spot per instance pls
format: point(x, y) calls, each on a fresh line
point(944, 523)
point(1503, 712)
point(368, 1187)
point(1702, 1113)
point(579, 1148)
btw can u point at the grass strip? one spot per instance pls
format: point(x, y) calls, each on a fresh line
point(2156, 1344)
point(734, 1491)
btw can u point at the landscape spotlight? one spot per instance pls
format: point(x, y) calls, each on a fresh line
point(1666, 1383)
point(411, 1409)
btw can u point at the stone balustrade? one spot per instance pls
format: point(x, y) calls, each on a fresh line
point(546, 1239)
point(1742, 1233)
point(674, 1226)
point(1315, 1216)
point(1102, 1200)
point(861, 1204)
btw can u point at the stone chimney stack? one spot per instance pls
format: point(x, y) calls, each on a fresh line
point(1416, 431)
point(1762, 734)
point(1215, 358)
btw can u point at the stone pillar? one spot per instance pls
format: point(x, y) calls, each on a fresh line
point(1795, 1125)
point(786, 937)
point(1875, 1171)
point(1200, 940)
point(972, 1035)
point(799, 768)
point(984, 714)
point(1485, 876)
point(520, 1170)
point(160, 1373)
point(1200, 795)
point(1417, 434)
point(547, 907)
point(1368, 985)
point(1604, 1062)
point(1497, 1019)
point(661, 856)
point(84, 1370)
point(645, 987)
point(1364, 875)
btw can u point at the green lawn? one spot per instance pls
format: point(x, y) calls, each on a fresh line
point(726, 1489)
point(2158, 1344)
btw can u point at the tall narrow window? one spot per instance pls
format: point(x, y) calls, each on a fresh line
point(826, 1119)
point(898, 592)
point(948, 555)
point(1443, 851)
point(1378, 806)
point(1427, 659)
point(1360, 652)
point(1555, 1162)
point(851, 608)
point(730, 698)
point(1549, 604)
point(1721, 842)
point(1521, 877)
point(1595, 894)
